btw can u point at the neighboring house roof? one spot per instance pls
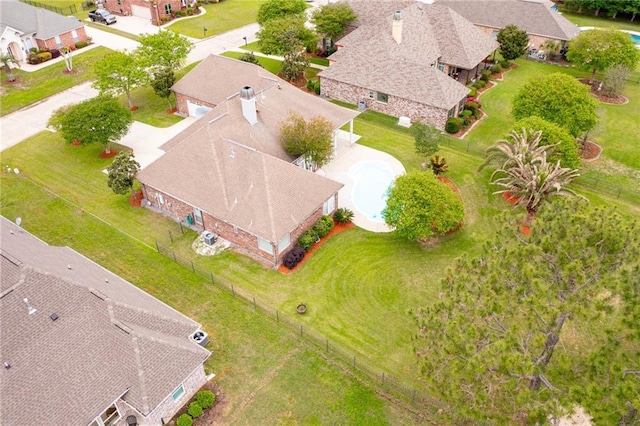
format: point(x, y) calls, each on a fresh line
point(110, 340)
point(41, 22)
point(535, 17)
point(369, 12)
point(373, 59)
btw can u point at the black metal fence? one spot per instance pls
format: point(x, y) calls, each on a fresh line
point(329, 350)
point(67, 10)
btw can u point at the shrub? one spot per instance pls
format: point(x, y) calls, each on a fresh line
point(181, 13)
point(473, 107)
point(472, 91)
point(496, 69)
point(466, 113)
point(453, 125)
point(480, 84)
point(184, 420)
point(45, 56)
point(323, 226)
point(206, 398)
point(343, 215)
point(476, 85)
point(34, 59)
point(466, 120)
point(316, 87)
point(308, 239)
point(81, 44)
point(485, 74)
point(33, 50)
point(505, 64)
point(194, 410)
point(310, 85)
point(293, 257)
point(55, 53)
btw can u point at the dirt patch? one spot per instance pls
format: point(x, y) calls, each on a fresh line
point(590, 151)
point(597, 93)
point(337, 229)
point(67, 72)
point(14, 82)
point(133, 108)
point(109, 154)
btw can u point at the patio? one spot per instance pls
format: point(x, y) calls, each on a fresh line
point(338, 170)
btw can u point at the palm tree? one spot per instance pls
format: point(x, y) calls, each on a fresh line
point(6, 60)
point(525, 145)
point(439, 165)
point(534, 181)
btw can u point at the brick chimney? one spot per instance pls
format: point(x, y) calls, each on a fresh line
point(396, 30)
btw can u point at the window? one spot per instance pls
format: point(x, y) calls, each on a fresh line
point(382, 97)
point(58, 41)
point(284, 243)
point(451, 113)
point(441, 67)
point(167, 9)
point(265, 245)
point(371, 94)
point(110, 416)
point(197, 214)
point(74, 34)
point(178, 393)
point(329, 205)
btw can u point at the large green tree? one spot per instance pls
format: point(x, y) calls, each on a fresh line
point(427, 139)
point(312, 140)
point(286, 35)
point(97, 120)
point(274, 9)
point(122, 172)
point(533, 326)
point(420, 206)
point(332, 19)
point(119, 73)
point(513, 42)
point(566, 148)
point(598, 49)
point(161, 82)
point(164, 49)
point(558, 98)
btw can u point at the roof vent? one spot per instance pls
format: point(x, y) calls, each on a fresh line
point(247, 92)
point(7, 365)
point(32, 310)
point(200, 337)
point(53, 316)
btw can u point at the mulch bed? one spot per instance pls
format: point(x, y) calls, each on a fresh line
point(67, 72)
point(337, 229)
point(300, 82)
point(504, 70)
point(110, 154)
point(510, 198)
point(136, 198)
point(590, 151)
point(171, 111)
point(210, 415)
point(607, 99)
point(133, 108)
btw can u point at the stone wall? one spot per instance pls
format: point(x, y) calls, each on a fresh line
point(65, 38)
point(394, 106)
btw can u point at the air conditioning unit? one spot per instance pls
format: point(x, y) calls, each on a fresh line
point(210, 238)
point(200, 337)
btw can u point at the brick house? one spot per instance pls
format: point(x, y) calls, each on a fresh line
point(540, 19)
point(228, 173)
point(23, 27)
point(80, 345)
point(407, 62)
point(154, 10)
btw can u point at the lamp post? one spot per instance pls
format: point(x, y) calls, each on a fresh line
point(245, 40)
point(155, 6)
point(205, 31)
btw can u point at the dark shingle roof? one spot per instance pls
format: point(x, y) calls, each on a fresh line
point(29, 19)
point(110, 340)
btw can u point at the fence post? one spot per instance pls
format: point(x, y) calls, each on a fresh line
point(174, 256)
point(301, 333)
point(157, 246)
point(233, 291)
point(170, 236)
point(619, 191)
point(383, 378)
point(254, 303)
point(181, 230)
point(212, 282)
point(277, 316)
point(193, 268)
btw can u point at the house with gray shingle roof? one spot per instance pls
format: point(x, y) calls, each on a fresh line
point(539, 18)
point(23, 27)
point(405, 63)
point(228, 172)
point(81, 346)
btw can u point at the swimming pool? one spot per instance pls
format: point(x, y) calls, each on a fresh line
point(371, 181)
point(635, 38)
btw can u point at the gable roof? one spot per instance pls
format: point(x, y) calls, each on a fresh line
point(41, 22)
point(110, 340)
point(536, 17)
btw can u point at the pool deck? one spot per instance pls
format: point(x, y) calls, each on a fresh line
point(338, 170)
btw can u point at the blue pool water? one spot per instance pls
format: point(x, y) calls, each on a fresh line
point(372, 179)
point(635, 38)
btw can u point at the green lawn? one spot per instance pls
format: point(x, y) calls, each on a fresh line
point(47, 81)
point(220, 17)
point(584, 20)
point(273, 65)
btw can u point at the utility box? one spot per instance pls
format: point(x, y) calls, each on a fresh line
point(210, 238)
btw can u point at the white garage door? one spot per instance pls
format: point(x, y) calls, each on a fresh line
point(196, 110)
point(141, 11)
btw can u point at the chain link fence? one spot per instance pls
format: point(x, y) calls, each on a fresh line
point(330, 350)
point(67, 10)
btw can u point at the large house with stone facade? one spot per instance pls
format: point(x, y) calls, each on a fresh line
point(228, 173)
point(154, 10)
point(81, 346)
point(405, 59)
point(23, 27)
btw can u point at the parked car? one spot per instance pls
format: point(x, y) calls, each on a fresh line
point(102, 15)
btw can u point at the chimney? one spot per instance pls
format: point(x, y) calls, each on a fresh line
point(249, 107)
point(396, 30)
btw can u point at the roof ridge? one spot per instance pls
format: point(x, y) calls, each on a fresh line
point(141, 374)
point(267, 185)
point(142, 332)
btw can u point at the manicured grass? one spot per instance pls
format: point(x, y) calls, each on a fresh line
point(47, 81)
point(319, 61)
point(583, 20)
point(252, 47)
point(262, 371)
point(255, 47)
point(110, 29)
point(273, 65)
point(220, 17)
